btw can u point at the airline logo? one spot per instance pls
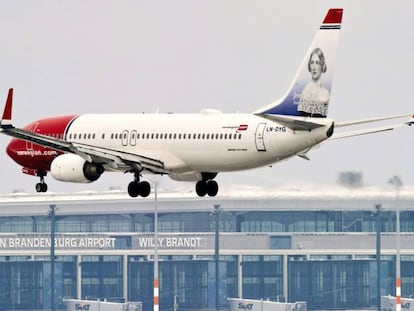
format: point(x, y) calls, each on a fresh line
point(242, 127)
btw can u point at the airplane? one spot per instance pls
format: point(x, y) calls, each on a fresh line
point(190, 147)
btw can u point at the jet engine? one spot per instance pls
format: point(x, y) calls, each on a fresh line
point(73, 168)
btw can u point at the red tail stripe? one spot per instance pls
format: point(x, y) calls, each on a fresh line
point(334, 16)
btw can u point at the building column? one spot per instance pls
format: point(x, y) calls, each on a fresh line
point(125, 277)
point(79, 277)
point(240, 276)
point(285, 277)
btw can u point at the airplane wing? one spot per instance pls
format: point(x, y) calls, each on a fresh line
point(114, 159)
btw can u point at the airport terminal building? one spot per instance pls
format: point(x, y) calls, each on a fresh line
point(317, 246)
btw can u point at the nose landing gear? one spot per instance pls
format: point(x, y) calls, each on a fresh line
point(41, 186)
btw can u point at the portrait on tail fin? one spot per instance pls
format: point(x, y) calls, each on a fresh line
point(314, 99)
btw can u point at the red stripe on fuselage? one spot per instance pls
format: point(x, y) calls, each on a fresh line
point(30, 155)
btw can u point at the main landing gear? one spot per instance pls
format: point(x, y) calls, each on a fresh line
point(136, 188)
point(207, 185)
point(41, 186)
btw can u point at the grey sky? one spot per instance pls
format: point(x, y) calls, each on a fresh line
point(74, 57)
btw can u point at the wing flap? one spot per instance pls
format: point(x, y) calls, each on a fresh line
point(116, 158)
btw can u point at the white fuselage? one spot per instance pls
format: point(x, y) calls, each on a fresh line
point(206, 142)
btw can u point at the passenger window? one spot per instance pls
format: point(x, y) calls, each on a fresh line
point(175, 136)
point(103, 136)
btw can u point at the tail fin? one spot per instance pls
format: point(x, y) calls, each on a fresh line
point(310, 91)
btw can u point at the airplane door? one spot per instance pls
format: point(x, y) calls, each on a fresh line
point(125, 137)
point(260, 145)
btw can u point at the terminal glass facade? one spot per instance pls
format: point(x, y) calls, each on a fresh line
point(325, 281)
point(274, 221)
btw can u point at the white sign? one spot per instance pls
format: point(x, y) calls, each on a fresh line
point(59, 242)
point(170, 242)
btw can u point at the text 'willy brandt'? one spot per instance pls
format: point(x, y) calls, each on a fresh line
point(170, 242)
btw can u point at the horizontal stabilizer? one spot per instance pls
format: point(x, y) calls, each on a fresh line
point(379, 129)
point(295, 123)
point(364, 121)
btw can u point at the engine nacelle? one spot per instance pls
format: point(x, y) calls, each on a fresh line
point(73, 168)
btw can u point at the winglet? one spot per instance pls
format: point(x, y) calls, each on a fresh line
point(7, 112)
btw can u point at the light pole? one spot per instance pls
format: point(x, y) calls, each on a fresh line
point(378, 247)
point(156, 282)
point(52, 210)
point(216, 213)
point(397, 183)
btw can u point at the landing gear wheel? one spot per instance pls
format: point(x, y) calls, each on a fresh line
point(201, 188)
point(41, 187)
point(139, 188)
point(144, 189)
point(212, 188)
point(133, 189)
